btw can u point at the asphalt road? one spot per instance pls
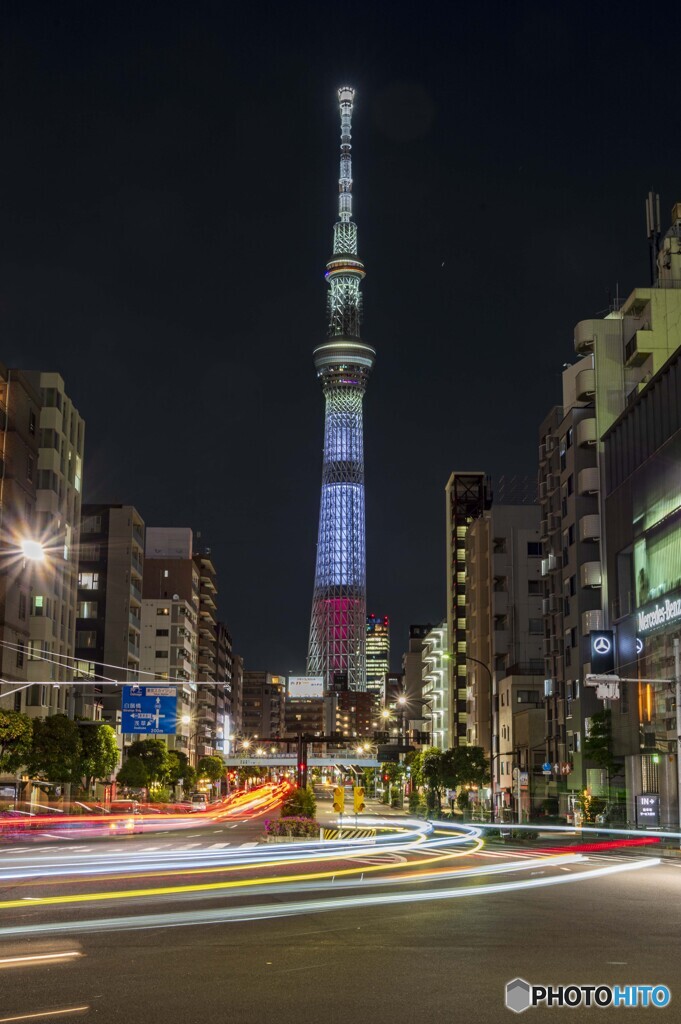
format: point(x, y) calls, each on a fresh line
point(440, 959)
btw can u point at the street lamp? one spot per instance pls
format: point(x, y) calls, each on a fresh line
point(32, 550)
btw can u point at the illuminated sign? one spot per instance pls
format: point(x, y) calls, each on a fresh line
point(639, 645)
point(305, 687)
point(659, 614)
point(647, 809)
point(149, 710)
point(602, 652)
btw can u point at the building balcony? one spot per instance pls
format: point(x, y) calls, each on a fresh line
point(590, 574)
point(590, 527)
point(135, 621)
point(551, 645)
point(592, 621)
point(585, 337)
point(588, 481)
point(549, 604)
point(585, 434)
point(638, 348)
point(135, 593)
point(549, 564)
point(585, 384)
point(552, 482)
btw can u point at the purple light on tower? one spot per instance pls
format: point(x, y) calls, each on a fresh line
point(343, 363)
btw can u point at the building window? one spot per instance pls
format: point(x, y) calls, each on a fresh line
point(22, 605)
point(568, 438)
point(86, 609)
point(31, 421)
point(91, 524)
point(21, 647)
point(86, 638)
point(533, 549)
point(499, 545)
point(534, 587)
point(162, 632)
point(537, 627)
point(38, 605)
point(84, 670)
point(29, 469)
point(570, 484)
point(163, 611)
point(88, 580)
point(571, 534)
point(573, 586)
point(89, 552)
point(161, 654)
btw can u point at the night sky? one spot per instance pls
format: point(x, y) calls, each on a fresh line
point(168, 188)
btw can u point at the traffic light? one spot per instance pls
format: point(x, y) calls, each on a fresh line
point(386, 777)
point(338, 799)
point(358, 798)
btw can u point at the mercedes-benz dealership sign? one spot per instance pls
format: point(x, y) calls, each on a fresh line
point(602, 652)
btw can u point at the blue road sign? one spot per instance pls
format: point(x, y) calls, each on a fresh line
point(150, 710)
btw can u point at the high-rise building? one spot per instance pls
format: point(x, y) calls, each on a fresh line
point(237, 694)
point(378, 653)
point(505, 637)
point(169, 652)
point(108, 624)
point(343, 363)
point(20, 404)
point(468, 495)
point(435, 659)
point(58, 500)
point(224, 675)
point(619, 355)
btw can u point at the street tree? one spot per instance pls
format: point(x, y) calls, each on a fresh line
point(464, 766)
point(154, 753)
point(99, 753)
point(180, 770)
point(133, 773)
point(431, 775)
point(211, 767)
point(598, 744)
point(56, 749)
point(16, 731)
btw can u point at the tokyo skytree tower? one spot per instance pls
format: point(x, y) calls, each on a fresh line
point(343, 364)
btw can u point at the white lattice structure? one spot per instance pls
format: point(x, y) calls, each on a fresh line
point(343, 363)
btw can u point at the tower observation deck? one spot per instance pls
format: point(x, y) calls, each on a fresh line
point(343, 362)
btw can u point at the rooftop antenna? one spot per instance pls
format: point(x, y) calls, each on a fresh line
point(653, 227)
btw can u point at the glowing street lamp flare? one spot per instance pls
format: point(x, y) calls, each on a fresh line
point(343, 363)
point(33, 550)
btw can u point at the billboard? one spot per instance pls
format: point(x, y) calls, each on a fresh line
point(149, 710)
point(305, 687)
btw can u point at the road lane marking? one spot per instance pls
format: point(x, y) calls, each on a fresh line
point(34, 958)
point(247, 846)
point(45, 1013)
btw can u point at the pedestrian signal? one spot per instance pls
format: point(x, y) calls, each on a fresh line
point(358, 796)
point(339, 799)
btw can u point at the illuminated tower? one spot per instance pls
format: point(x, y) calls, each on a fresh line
point(343, 362)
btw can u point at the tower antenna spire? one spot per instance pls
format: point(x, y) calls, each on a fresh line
point(346, 99)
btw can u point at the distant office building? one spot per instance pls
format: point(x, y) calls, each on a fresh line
point(378, 653)
point(237, 694)
point(304, 716)
point(355, 714)
point(224, 670)
point(108, 623)
point(467, 495)
point(412, 675)
point(263, 708)
point(505, 636)
point(436, 689)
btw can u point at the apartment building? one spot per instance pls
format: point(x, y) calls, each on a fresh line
point(467, 496)
point(436, 686)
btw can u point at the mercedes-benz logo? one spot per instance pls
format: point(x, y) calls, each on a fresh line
point(602, 645)
point(639, 645)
